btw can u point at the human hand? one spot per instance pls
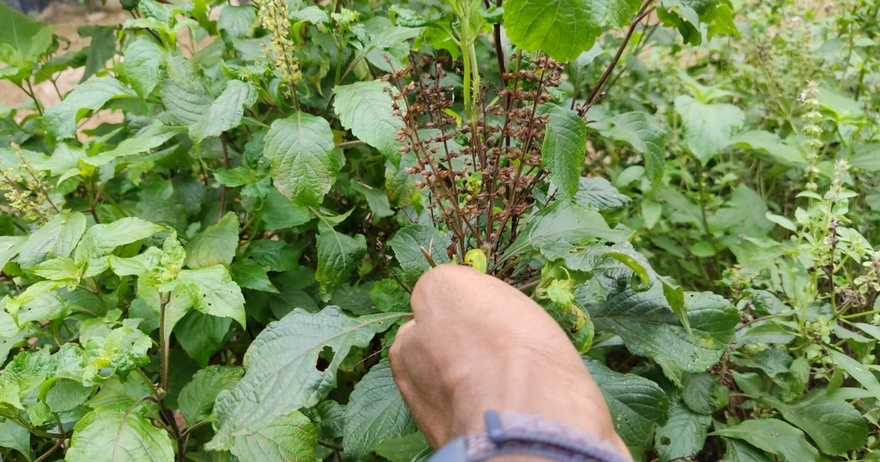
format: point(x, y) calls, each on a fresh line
point(476, 344)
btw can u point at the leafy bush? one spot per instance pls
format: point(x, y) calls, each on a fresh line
point(217, 274)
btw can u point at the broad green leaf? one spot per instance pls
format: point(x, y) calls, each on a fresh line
point(142, 60)
point(835, 425)
point(10, 246)
point(100, 240)
point(708, 128)
point(598, 193)
point(701, 393)
point(235, 21)
point(563, 222)
point(281, 374)
point(57, 238)
point(407, 246)
point(279, 212)
point(403, 449)
point(564, 149)
point(376, 199)
point(119, 351)
point(375, 412)
point(214, 246)
point(365, 108)
point(13, 435)
point(101, 49)
point(683, 435)
point(250, 275)
point(90, 95)
point(22, 375)
point(615, 13)
point(114, 434)
point(290, 437)
point(338, 256)
point(197, 397)
point(225, 112)
point(303, 156)
point(740, 451)
point(561, 28)
point(637, 404)
point(866, 157)
point(213, 292)
point(860, 372)
point(768, 146)
point(275, 255)
point(22, 40)
point(58, 269)
point(200, 335)
point(649, 327)
point(185, 98)
point(147, 139)
point(65, 394)
point(773, 436)
point(641, 131)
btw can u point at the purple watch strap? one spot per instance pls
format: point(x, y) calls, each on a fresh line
point(513, 433)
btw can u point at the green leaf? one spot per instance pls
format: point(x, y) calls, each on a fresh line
point(90, 95)
point(250, 275)
point(225, 112)
point(114, 434)
point(22, 40)
point(376, 199)
point(835, 425)
point(13, 435)
point(279, 212)
point(147, 139)
point(303, 156)
point(598, 193)
point(57, 238)
point(100, 241)
point(214, 246)
point(637, 404)
point(101, 48)
point(649, 327)
point(235, 21)
point(365, 108)
point(860, 372)
point(565, 147)
point(768, 146)
point(644, 133)
point(407, 246)
point(740, 451)
point(281, 374)
point(185, 99)
point(375, 413)
point(10, 246)
point(684, 434)
point(403, 449)
point(773, 436)
point(201, 335)
point(562, 28)
point(142, 60)
point(196, 398)
point(290, 437)
point(213, 292)
point(565, 223)
point(708, 128)
point(58, 269)
point(338, 256)
point(22, 375)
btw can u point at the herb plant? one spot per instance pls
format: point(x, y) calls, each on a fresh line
point(215, 271)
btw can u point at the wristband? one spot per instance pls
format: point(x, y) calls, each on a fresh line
point(514, 433)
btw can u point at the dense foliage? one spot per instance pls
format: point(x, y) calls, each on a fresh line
point(689, 188)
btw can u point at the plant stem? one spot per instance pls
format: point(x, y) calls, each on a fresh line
point(643, 12)
point(164, 347)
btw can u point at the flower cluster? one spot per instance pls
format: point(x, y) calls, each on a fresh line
point(482, 173)
point(26, 191)
point(813, 131)
point(281, 51)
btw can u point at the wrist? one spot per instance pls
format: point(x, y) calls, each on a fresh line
point(520, 437)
